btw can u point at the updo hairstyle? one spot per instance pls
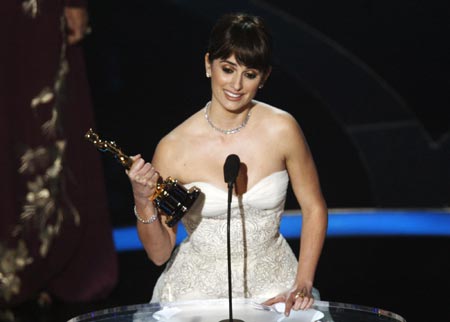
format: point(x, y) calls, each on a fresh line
point(245, 36)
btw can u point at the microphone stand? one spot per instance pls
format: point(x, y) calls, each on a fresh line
point(230, 288)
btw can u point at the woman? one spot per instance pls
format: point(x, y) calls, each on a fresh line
point(272, 150)
point(54, 219)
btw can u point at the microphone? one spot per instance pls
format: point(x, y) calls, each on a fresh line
point(231, 168)
point(230, 173)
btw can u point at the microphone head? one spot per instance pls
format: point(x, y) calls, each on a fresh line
point(231, 168)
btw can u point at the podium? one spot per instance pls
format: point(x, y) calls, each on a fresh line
point(245, 309)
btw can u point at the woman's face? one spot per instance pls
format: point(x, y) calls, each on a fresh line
point(233, 85)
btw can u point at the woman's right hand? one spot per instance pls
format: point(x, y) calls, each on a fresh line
point(144, 178)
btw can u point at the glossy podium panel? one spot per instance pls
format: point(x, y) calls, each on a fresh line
point(245, 309)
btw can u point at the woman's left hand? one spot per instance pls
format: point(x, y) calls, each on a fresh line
point(77, 24)
point(297, 298)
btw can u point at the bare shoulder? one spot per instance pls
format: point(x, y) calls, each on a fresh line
point(282, 129)
point(277, 121)
point(170, 149)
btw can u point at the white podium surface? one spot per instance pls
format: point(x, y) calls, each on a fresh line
point(244, 309)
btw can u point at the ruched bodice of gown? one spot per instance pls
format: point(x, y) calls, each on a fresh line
point(262, 262)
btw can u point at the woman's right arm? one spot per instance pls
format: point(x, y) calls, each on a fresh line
point(157, 238)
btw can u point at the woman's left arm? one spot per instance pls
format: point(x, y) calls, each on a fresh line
point(305, 184)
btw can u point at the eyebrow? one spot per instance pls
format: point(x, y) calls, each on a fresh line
point(228, 62)
point(235, 64)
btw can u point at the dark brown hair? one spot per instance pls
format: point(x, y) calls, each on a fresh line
point(245, 36)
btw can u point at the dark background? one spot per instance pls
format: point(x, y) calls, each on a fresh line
point(367, 80)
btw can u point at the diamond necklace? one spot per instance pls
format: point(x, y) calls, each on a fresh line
point(228, 131)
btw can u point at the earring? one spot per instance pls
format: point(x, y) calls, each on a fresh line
point(261, 86)
point(208, 75)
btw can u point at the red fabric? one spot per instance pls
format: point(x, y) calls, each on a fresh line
point(82, 263)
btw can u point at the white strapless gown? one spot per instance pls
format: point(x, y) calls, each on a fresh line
point(263, 264)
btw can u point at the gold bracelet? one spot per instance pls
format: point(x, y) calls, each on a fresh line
point(148, 221)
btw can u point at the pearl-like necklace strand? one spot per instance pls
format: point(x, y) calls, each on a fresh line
point(228, 131)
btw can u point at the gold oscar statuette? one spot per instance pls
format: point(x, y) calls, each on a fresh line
point(170, 197)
